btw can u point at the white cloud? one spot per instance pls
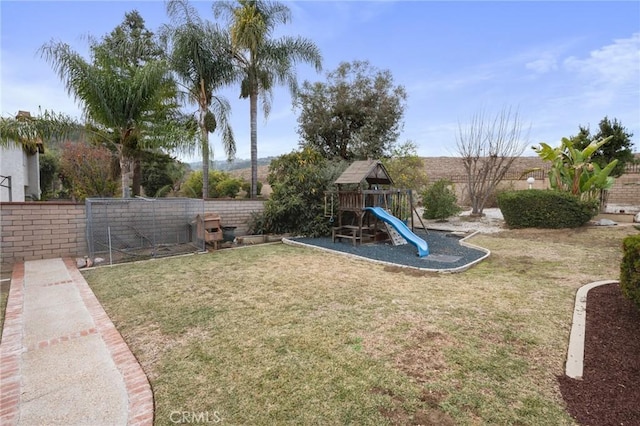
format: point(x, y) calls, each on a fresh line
point(542, 65)
point(539, 59)
point(542, 59)
point(610, 76)
point(614, 64)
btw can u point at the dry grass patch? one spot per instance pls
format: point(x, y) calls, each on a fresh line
point(286, 335)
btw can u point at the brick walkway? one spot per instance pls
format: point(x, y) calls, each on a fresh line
point(62, 361)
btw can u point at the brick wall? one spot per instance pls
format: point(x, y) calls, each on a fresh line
point(235, 213)
point(128, 223)
point(34, 230)
point(626, 191)
point(452, 168)
point(625, 194)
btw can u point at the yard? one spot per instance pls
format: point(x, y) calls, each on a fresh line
point(274, 334)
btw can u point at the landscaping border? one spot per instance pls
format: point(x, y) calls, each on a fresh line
point(575, 353)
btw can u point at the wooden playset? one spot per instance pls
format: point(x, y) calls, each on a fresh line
point(364, 186)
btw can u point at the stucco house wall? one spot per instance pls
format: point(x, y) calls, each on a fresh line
point(24, 170)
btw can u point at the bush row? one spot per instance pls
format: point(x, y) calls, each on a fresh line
point(221, 184)
point(630, 269)
point(545, 209)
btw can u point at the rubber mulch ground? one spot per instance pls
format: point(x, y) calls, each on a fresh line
point(609, 393)
point(445, 251)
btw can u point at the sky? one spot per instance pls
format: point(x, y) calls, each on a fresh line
point(561, 65)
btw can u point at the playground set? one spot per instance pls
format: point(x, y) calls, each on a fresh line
point(370, 210)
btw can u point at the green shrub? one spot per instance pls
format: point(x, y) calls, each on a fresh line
point(439, 201)
point(246, 187)
point(160, 173)
point(630, 269)
point(49, 165)
point(192, 187)
point(296, 205)
point(256, 223)
point(228, 187)
point(535, 208)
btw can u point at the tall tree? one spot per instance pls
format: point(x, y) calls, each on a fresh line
point(263, 61)
point(357, 114)
point(115, 102)
point(488, 146)
point(406, 167)
point(198, 54)
point(128, 47)
point(161, 173)
point(618, 148)
point(131, 43)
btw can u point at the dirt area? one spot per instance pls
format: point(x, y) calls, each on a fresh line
point(492, 221)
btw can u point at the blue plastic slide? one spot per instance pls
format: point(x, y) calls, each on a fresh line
point(402, 228)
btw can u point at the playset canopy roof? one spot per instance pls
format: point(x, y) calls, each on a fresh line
point(371, 171)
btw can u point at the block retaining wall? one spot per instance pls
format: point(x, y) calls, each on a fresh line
point(45, 230)
point(623, 196)
point(625, 193)
point(32, 231)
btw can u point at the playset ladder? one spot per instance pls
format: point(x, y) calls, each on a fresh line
point(396, 238)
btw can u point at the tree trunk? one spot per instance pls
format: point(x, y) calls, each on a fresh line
point(137, 177)
point(125, 167)
point(253, 102)
point(205, 156)
point(604, 197)
point(204, 142)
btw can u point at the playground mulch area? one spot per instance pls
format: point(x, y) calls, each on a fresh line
point(609, 393)
point(445, 250)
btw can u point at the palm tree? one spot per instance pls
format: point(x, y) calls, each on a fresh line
point(27, 131)
point(115, 103)
point(261, 60)
point(199, 59)
point(129, 46)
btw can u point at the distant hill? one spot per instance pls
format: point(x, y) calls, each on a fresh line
point(234, 165)
point(263, 172)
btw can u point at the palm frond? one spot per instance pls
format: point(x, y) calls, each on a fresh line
point(221, 109)
point(29, 131)
point(199, 54)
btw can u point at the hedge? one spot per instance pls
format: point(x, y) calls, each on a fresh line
point(630, 269)
point(536, 208)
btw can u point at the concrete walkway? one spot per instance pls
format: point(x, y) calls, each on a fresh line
point(61, 359)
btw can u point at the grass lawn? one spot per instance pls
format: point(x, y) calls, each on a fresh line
point(274, 334)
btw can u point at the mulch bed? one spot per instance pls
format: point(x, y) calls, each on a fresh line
point(609, 393)
point(445, 250)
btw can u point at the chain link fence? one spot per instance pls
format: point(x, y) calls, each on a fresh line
point(124, 230)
